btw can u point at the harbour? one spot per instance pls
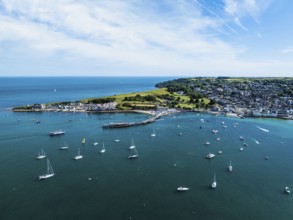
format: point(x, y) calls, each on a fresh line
point(110, 186)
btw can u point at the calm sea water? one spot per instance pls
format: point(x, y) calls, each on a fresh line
point(145, 188)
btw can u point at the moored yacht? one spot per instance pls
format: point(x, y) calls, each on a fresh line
point(133, 153)
point(214, 184)
point(41, 155)
point(103, 149)
point(57, 132)
point(215, 131)
point(132, 146)
point(182, 189)
point(230, 167)
point(95, 143)
point(210, 156)
point(153, 134)
point(50, 172)
point(79, 156)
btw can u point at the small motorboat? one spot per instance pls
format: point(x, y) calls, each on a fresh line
point(230, 167)
point(287, 190)
point(182, 189)
point(210, 156)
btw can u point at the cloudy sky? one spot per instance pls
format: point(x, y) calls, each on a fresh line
point(146, 37)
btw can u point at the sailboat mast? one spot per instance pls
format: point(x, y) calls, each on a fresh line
point(48, 166)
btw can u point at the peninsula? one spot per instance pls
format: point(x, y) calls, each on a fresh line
point(244, 97)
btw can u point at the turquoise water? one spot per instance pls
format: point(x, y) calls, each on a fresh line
point(145, 188)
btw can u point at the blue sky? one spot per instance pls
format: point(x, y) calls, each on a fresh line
point(153, 38)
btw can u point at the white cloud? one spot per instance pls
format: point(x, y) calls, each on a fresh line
point(287, 50)
point(115, 31)
point(238, 22)
point(231, 6)
point(243, 8)
point(125, 34)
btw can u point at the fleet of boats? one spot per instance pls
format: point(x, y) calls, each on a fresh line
point(133, 154)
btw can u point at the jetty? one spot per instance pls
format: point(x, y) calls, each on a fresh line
point(129, 124)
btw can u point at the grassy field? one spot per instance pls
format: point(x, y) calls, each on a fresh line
point(182, 101)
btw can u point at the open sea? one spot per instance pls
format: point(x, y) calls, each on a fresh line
point(109, 186)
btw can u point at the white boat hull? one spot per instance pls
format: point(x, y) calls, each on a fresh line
point(210, 156)
point(46, 176)
point(182, 189)
point(78, 157)
point(133, 157)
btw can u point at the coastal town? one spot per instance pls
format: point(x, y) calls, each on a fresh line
point(247, 97)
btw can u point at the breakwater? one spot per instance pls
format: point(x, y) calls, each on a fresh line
point(129, 124)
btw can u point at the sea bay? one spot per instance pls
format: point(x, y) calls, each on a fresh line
point(145, 188)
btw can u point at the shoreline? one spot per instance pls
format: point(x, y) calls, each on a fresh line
point(153, 112)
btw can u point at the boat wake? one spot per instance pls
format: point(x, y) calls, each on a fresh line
point(265, 130)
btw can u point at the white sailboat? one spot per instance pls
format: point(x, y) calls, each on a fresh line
point(41, 155)
point(132, 146)
point(103, 149)
point(230, 167)
point(78, 157)
point(95, 143)
point(50, 172)
point(64, 147)
point(133, 153)
point(214, 184)
point(182, 189)
point(153, 134)
point(83, 141)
